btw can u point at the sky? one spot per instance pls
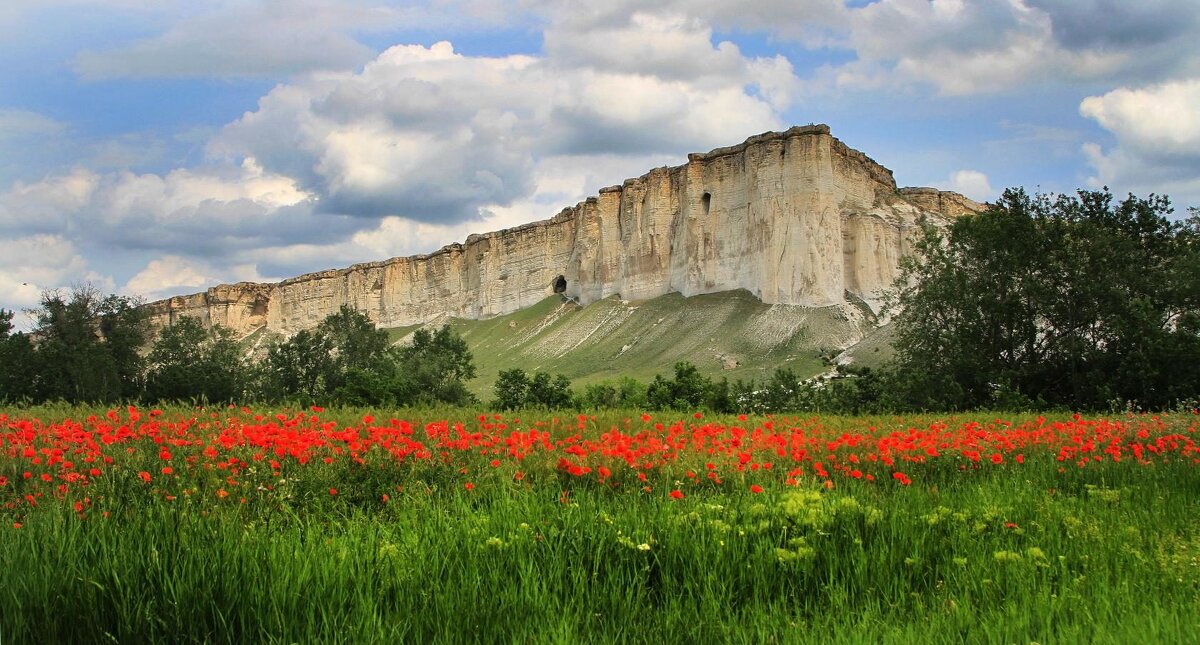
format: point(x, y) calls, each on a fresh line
point(159, 147)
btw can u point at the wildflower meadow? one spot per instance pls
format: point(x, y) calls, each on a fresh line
point(233, 524)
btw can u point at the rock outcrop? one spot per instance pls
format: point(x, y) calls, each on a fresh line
point(794, 217)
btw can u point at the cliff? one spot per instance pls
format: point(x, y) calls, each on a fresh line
point(793, 217)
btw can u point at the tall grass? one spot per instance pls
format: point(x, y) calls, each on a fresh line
point(1108, 553)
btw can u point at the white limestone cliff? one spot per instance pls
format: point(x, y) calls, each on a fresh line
point(795, 218)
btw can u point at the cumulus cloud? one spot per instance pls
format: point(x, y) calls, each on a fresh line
point(174, 274)
point(186, 210)
point(418, 148)
point(669, 47)
point(32, 264)
point(1162, 119)
point(1157, 132)
point(972, 183)
point(963, 47)
point(435, 136)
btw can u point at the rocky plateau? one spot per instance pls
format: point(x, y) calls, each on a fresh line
point(794, 218)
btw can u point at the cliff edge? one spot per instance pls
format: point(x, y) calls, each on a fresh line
point(793, 217)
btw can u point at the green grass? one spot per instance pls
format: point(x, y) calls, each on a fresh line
point(1106, 554)
point(730, 334)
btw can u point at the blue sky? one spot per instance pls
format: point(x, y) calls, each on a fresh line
point(156, 147)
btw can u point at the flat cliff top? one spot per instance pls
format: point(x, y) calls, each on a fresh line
point(875, 170)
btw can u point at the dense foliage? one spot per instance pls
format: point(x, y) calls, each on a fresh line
point(1075, 301)
point(85, 347)
point(88, 348)
point(191, 362)
point(515, 389)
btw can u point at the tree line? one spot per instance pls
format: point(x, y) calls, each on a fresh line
point(87, 347)
point(1079, 301)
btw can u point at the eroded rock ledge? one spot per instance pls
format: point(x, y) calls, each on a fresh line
point(794, 217)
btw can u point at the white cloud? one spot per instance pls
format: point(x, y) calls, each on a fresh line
point(432, 135)
point(172, 274)
point(972, 183)
point(1157, 130)
point(963, 48)
point(185, 209)
point(32, 264)
point(47, 206)
point(246, 38)
point(419, 148)
point(20, 124)
point(672, 46)
point(1164, 118)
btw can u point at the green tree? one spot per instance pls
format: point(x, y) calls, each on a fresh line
point(345, 359)
point(551, 393)
point(720, 397)
point(631, 393)
point(625, 392)
point(1072, 300)
point(17, 355)
point(301, 366)
point(688, 390)
point(599, 396)
point(189, 362)
point(87, 346)
point(357, 346)
point(435, 368)
point(511, 389)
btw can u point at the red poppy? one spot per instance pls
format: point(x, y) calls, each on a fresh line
point(676, 494)
point(756, 489)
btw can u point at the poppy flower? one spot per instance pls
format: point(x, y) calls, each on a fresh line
point(677, 494)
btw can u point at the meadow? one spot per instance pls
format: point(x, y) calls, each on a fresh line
point(448, 525)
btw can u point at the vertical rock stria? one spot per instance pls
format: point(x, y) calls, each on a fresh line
point(795, 218)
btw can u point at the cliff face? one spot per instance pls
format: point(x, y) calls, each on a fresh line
point(795, 218)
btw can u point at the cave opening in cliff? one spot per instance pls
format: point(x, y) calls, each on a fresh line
point(560, 284)
point(706, 202)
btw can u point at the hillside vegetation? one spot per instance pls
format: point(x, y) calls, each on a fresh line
point(730, 334)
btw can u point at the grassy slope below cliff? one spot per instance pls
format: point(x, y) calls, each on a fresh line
point(729, 334)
